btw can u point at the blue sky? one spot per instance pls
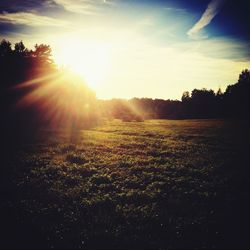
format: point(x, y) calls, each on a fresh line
point(137, 48)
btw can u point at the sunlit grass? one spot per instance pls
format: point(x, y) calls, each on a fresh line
point(152, 180)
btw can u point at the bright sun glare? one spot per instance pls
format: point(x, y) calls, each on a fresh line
point(88, 59)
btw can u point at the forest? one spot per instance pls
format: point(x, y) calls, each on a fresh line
point(34, 90)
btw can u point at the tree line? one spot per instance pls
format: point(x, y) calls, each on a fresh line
point(21, 65)
point(234, 103)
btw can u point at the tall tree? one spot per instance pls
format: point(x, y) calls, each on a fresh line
point(19, 47)
point(5, 48)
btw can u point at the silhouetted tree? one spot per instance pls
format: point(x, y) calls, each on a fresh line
point(19, 48)
point(43, 52)
point(236, 97)
point(202, 103)
point(219, 93)
point(34, 93)
point(244, 77)
point(185, 96)
point(5, 48)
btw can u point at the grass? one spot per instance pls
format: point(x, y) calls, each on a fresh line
point(129, 185)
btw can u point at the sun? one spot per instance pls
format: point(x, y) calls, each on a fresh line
point(89, 59)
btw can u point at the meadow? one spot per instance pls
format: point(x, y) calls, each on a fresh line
point(157, 184)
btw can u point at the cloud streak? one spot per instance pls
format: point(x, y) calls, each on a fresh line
point(13, 6)
point(86, 7)
point(31, 19)
point(211, 11)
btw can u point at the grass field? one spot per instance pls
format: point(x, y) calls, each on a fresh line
point(156, 184)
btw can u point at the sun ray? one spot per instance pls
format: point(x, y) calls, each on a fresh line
point(60, 99)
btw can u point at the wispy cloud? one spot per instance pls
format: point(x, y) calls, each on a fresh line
point(175, 9)
point(27, 5)
point(87, 7)
point(30, 19)
point(217, 48)
point(211, 11)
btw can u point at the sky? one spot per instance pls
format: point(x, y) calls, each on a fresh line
point(137, 48)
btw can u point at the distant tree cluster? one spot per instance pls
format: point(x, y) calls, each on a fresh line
point(233, 103)
point(139, 109)
point(199, 104)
